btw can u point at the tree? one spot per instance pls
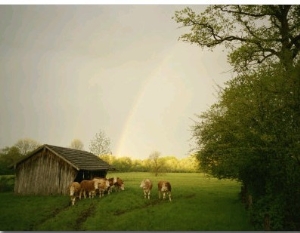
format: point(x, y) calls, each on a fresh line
point(76, 144)
point(252, 133)
point(254, 34)
point(156, 163)
point(26, 145)
point(100, 145)
point(8, 156)
point(110, 159)
point(171, 163)
point(123, 164)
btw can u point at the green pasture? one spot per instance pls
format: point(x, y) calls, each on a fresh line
point(198, 203)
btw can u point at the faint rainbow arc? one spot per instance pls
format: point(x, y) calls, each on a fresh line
point(139, 98)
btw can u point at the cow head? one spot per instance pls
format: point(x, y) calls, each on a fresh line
point(96, 183)
point(72, 190)
point(142, 184)
point(107, 183)
point(165, 187)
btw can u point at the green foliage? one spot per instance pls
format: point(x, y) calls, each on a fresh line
point(252, 134)
point(7, 183)
point(254, 34)
point(199, 203)
point(170, 164)
point(8, 156)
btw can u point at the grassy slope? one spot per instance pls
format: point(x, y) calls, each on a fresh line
point(198, 203)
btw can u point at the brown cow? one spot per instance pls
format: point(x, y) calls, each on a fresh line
point(116, 183)
point(74, 191)
point(88, 186)
point(103, 185)
point(164, 187)
point(111, 185)
point(146, 185)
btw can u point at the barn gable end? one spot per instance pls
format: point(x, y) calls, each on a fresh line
point(50, 170)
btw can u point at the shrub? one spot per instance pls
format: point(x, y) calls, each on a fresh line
point(7, 183)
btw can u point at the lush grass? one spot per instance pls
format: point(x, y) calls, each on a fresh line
point(198, 203)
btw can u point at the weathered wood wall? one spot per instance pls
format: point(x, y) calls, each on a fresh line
point(44, 173)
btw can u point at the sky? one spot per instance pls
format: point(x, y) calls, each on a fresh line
point(70, 71)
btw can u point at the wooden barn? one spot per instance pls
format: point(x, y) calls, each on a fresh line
point(50, 170)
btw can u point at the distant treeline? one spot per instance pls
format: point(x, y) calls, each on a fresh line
point(157, 164)
point(161, 164)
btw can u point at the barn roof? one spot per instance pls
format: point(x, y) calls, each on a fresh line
point(79, 159)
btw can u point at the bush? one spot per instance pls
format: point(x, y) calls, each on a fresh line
point(7, 183)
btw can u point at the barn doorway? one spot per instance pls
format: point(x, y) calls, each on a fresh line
point(88, 175)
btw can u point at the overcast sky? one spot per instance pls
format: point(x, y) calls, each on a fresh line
point(67, 72)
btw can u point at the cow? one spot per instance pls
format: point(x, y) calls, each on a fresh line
point(116, 183)
point(74, 191)
point(103, 185)
point(111, 185)
point(146, 185)
point(164, 187)
point(88, 186)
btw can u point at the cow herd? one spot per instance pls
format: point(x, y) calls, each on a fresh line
point(100, 186)
point(93, 187)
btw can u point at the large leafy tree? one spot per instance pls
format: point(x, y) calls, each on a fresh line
point(252, 132)
point(253, 135)
point(254, 34)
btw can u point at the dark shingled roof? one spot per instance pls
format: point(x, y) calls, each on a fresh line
point(79, 159)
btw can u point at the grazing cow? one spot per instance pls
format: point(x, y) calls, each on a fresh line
point(119, 184)
point(103, 185)
point(146, 185)
point(111, 185)
point(164, 187)
point(74, 191)
point(88, 186)
point(116, 183)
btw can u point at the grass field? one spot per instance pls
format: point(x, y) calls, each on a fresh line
point(198, 203)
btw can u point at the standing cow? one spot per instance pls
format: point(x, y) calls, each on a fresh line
point(74, 191)
point(164, 187)
point(103, 185)
point(89, 187)
point(116, 183)
point(146, 185)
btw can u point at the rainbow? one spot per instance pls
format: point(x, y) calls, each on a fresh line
point(140, 96)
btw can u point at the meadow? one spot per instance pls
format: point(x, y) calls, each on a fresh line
point(198, 203)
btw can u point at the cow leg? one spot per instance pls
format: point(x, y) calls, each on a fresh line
point(148, 194)
point(164, 195)
point(170, 196)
